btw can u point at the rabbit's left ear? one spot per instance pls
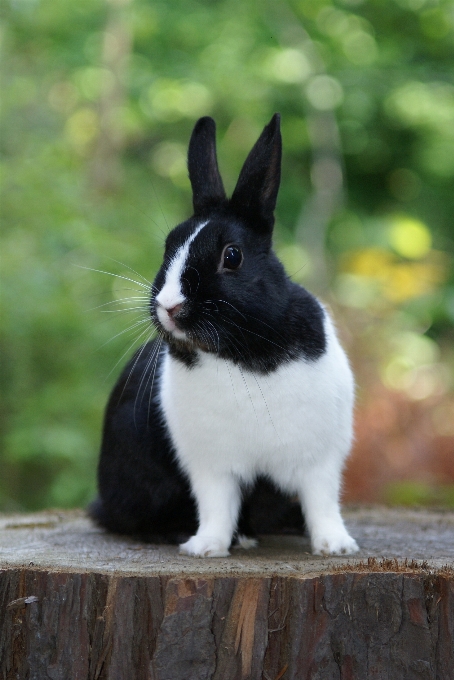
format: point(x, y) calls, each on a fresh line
point(256, 191)
point(207, 188)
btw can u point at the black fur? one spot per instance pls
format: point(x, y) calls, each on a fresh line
point(256, 191)
point(207, 187)
point(142, 491)
point(253, 316)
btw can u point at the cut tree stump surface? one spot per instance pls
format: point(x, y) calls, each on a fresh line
point(77, 603)
point(65, 540)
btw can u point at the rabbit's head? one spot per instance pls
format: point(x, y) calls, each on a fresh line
point(221, 288)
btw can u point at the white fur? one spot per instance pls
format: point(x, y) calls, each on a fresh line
point(295, 425)
point(245, 542)
point(170, 294)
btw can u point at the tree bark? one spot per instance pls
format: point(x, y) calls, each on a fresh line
point(68, 626)
point(190, 619)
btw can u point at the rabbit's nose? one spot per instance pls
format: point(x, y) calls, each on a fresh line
point(173, 311)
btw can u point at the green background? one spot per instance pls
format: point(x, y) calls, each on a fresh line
point(99, 99)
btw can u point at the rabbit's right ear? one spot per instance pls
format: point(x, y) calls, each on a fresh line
point(207, 187)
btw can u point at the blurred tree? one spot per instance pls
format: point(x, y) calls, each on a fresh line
point(99, 100)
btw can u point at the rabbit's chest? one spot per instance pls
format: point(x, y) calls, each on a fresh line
point(224, 417)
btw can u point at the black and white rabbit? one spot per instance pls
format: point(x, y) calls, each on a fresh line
point(245, 398)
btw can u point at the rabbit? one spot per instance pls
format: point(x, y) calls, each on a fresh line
point(244, 400)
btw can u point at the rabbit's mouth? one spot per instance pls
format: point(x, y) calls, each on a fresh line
point(167, 319)
point(179, 328)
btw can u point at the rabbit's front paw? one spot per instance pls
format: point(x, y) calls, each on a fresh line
point(204, 546)
point(334, 544)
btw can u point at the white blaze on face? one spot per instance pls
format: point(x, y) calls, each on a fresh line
point(171, 294)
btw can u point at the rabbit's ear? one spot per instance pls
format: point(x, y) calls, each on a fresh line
point(256, 190)
point(207, 188)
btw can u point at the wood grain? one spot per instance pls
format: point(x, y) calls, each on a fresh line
point(355, 625)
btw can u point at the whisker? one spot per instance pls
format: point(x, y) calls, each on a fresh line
point(152, 355)
point(119, 311)
point(242, 351)
point(214, 342)
point(248, 391)
point(152, 380)
point(139, 354)
point(130, 269)
point(215, 330)
point(249, 316)
point(231, 381)
point(157, 353)
point(103, 292)
point(232, 306)
point(126, 330)
point(204, 306)
point(143, 375)
point(256, 334)
point(120, 302)
point(267, 408)
point(244, 380)
point(232, 337)
point(205, 336)
point(128, 350)
point(254, 318)
point(118, 276)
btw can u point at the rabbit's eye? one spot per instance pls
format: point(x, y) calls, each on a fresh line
point(233, 257)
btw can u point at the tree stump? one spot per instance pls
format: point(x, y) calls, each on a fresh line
point(77, 603)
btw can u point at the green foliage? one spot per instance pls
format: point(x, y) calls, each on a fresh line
point(99, 101)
